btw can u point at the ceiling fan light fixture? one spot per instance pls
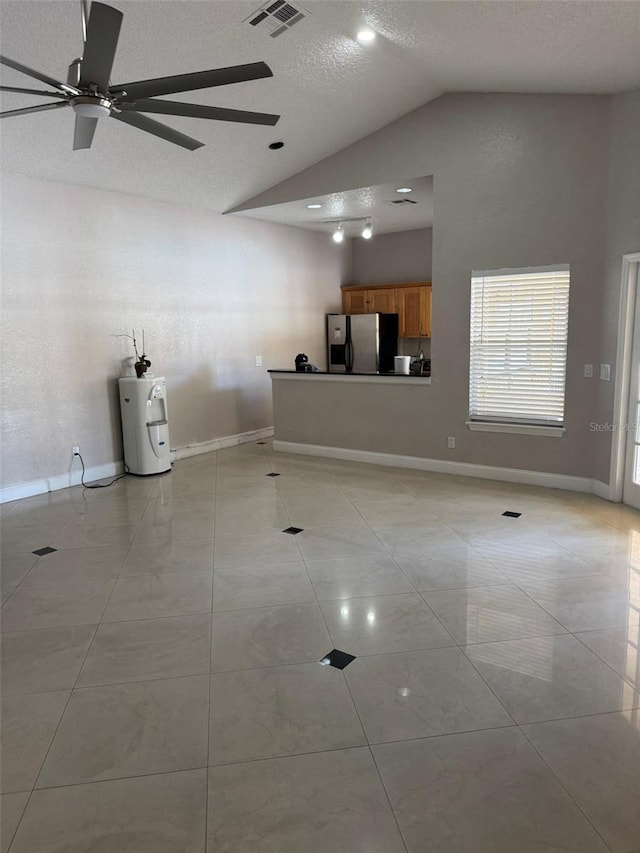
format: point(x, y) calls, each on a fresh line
point(91, 107)
point(338, 234)
point(367, 231)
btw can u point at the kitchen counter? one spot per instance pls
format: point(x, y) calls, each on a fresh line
point(378, 378)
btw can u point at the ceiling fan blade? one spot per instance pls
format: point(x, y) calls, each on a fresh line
point(103, 30)
point(193, 81)
point(175, 108)
point(161, 130)
point(39, 109)
point(30, 91)
point(38, 75)
point(83, 133)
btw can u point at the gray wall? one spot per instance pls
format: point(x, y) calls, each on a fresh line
point(80, 266)
point(401, 256)
point(623, 237)
point(519, 180)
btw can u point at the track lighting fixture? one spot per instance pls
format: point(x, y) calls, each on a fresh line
point(339, 234)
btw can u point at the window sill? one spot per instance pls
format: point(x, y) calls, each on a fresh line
point(516, 429)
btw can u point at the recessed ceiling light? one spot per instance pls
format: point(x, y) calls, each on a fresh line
point(314, 206)
point(404, 190)
point(366, 36)
point(274, 146)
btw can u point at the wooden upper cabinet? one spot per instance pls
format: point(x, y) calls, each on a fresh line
point(414, 312)
point(411, 302)
point(354, 302)
point(381, 299)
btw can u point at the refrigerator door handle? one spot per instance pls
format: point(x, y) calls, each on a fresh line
point(348, 355)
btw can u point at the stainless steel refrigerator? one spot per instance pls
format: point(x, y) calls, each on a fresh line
point(361, 343)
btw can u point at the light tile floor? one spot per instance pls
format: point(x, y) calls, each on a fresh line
point(161, 684)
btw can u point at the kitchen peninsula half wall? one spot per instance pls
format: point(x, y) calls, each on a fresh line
point(332, 414)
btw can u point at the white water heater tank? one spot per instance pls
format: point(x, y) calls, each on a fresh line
point(145, 425)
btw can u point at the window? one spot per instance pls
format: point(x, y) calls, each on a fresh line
point(519, 321)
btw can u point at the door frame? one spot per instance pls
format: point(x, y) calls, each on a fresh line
point(629, 281)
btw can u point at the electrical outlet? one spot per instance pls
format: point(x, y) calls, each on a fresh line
point(75, 451)
point(258, 361)
point(588, 371)
point(451, 442)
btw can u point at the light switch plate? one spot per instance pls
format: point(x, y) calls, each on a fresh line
point(258, 361)
point(605, 372)
point(588, 371)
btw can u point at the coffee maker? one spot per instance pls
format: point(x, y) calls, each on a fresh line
point(303, 365)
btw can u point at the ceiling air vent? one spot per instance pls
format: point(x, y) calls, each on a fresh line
point(397, 201)
point(276, 17)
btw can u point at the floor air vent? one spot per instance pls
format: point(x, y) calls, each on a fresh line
point(276, 17)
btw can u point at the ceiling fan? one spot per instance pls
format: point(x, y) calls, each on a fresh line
point(89, 92)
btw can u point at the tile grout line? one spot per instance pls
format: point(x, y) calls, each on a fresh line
point(366, 745)
point(318, 604)
point(561, 784)
point(590, 574)
point(73, 688)
point(573, 634)
point(355, 709)
point(24, 810)
point(82, 502)
point(64, 710)
point(210, 690)
point(396, 564)
point(357, 713)
point(38, 557)
point(388, 798)
point(115, 779)
point(296, 663)
point(384, 549)
point(635, 688)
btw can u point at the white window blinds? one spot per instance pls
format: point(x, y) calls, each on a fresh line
point(519, 322)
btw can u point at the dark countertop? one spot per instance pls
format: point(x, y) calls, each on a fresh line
point(353, 373)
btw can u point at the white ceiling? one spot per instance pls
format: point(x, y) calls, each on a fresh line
point(330, 90)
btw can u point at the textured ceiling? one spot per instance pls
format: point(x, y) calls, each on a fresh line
point(329, 90)
point(371, 202)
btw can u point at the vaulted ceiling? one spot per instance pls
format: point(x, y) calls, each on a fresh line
point(329, 89)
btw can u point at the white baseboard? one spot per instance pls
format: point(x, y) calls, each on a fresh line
point(221, 443)
point(601, 490)
point(443, 466)
point(60, 481)
point(112, 469)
